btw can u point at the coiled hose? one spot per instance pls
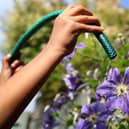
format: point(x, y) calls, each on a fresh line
point(20, 43)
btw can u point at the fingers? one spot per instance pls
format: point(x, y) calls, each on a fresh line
point(91, 20)
point(83, 19)
point(77, 10)
point(5, 61)
point(88, 28)
point(15, 64)
point(19, 68)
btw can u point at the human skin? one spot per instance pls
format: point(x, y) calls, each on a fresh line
point(8, 70)
point(18, 90)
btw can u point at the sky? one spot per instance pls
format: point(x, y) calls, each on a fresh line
point(125, 3)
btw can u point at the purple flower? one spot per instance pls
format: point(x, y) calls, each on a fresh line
point(115, 90)
point(69, 68)
point(72, 79)
point(57, 104)
point(70, 56)
point(93, 116)
point(49, 121)
point(80, 45)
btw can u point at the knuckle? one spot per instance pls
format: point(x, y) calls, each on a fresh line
point(87, 18)
point(60, 19)
point(65, 21)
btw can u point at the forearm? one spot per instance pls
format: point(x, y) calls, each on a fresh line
point(20, 89)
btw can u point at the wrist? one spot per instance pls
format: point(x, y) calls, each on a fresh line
point(56, 50)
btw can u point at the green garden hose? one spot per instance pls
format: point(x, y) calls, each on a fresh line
point(20, 43)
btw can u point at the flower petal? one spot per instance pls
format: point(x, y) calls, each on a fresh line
point(118, 103)
point(113, 103)
point(70, 56)
point(57, 104)
point(114, 76)
point(104, 116)
point(83, 124)
point(80, 45)
point(106, 89)
point(98, 107)
point(126, 108)
point(100, 125)
point(69, 68)
point(86, 110)
point(126, 76)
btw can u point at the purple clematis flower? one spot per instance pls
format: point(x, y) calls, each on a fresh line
point(93, 116)
point(115, 90)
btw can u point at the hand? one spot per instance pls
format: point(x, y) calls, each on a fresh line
point(68, 25)
point(9, 69)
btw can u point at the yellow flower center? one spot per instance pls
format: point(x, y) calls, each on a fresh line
point(93, 118)
point(127, 118)
point(103, 100)
point(122, 90)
